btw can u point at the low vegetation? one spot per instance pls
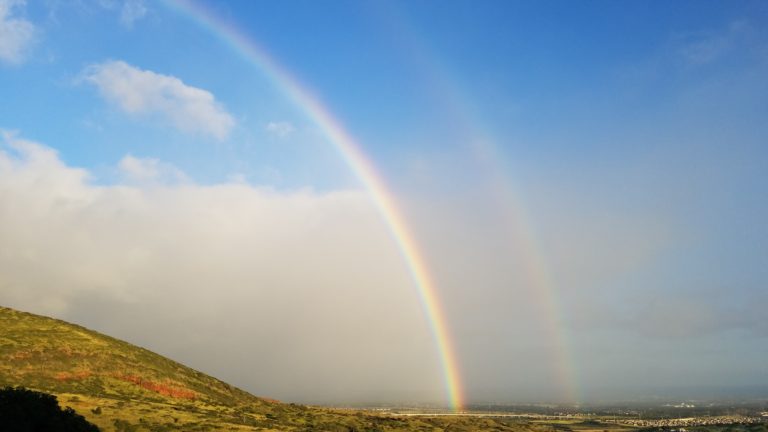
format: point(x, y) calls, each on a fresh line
point(117, 386)
point(120, 387)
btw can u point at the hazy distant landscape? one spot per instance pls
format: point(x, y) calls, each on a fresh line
point(386, 215)
point(121, 387)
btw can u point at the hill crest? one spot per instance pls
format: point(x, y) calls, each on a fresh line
point(122, 387)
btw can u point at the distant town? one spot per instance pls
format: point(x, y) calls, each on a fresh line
point(673, 416)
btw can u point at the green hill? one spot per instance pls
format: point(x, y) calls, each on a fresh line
point(119, 386)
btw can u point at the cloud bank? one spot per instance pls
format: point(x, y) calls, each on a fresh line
point(137, 91)
point(297, 295)
point(16, 34)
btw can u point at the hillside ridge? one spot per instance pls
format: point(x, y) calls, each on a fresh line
point(122, 387)
point(78, 358)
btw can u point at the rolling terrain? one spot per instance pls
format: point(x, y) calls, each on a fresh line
point(121, 387)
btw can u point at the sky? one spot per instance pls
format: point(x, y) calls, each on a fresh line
point(583, 182)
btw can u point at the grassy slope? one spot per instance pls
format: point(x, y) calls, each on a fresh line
point(119, 386)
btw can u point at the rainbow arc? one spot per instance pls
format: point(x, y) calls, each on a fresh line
point(361, 166)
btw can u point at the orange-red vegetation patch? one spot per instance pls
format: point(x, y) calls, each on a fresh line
point(168, 388)
point(73, 376)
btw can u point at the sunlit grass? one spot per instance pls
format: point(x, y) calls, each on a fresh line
point(121, 387)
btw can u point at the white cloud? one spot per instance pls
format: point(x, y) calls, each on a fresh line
point(137, 91)
point(280, 129)
point(309, 285)
point(16, 34)
point(132, 11)
point(149, 170)
point(292, 295)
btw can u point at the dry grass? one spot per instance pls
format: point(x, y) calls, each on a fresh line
point(121, 387)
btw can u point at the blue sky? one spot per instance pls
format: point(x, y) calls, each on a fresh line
point(621, 144)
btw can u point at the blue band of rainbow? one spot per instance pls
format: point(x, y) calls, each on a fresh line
point(352, 153)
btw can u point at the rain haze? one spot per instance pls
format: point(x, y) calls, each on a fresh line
point(397, 202)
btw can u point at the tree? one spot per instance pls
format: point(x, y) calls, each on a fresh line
point(23, 410)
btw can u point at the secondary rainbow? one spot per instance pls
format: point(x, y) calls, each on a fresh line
point(352, 153)
point(519, 228)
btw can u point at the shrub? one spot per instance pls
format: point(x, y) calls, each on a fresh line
point(23, 410)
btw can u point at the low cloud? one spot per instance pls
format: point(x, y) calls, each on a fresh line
point(16, 34)
point(302, 295)
point(295, 295)
point(137, 91)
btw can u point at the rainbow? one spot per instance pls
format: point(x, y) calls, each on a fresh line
point(365, 171)
point(520, 229)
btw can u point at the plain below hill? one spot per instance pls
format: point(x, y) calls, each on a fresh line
point(122, 387)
